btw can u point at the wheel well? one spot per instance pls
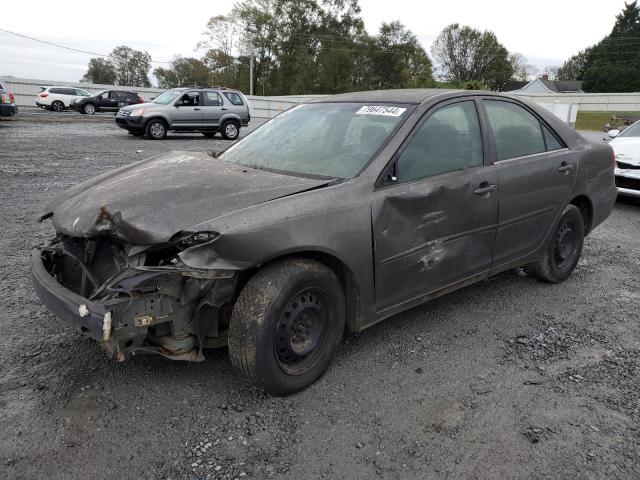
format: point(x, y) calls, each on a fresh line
point(166, 124)
point(342, 271)
point(586, 209)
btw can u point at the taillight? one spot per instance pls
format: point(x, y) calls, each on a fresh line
point(13, 99)
point(43, 95)
point(140, 100)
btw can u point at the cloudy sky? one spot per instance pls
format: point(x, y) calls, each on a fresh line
point(545, 31)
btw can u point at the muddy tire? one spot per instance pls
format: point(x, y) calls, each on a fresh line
point(230, 130)
point(563, 248)
point(286, 325)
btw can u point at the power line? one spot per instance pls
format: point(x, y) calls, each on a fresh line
point(63, 46)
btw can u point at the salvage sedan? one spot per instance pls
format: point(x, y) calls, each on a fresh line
point(332, 216)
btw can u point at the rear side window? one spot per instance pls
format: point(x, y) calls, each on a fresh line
point(59, 91)
point(517, 132)
point(234, 98)
point(212, 99)
point(448, 140)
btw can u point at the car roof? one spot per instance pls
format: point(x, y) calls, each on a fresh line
point(409, 95)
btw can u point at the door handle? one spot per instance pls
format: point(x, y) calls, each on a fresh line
point(224, 108)
point(485, 188)
point(565, 167)
point(197, 108)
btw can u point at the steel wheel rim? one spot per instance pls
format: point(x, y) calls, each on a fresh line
point(301, 331)
point(564, 246)
point(231, 130)
point(157, 130)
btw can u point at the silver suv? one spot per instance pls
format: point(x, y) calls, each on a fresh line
point(205, 110)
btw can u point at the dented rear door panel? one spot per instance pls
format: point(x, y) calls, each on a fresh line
point(432, 233)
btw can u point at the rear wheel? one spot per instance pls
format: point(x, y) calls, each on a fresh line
point(286, 325)
point(57, 106)
point(89, 109)
point(563, 249)
point(156, 129)
point(230, 130)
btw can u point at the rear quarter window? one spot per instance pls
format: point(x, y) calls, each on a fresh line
point(234, 98)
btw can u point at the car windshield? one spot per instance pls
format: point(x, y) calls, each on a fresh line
point(167, 97)
point(632, 131)
point(333, 140)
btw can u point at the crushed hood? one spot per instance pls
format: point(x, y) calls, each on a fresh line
point(149, 201)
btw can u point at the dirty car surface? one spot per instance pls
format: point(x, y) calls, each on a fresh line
point(334, 215)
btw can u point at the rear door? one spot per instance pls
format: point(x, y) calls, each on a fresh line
point(434, 222)
point(213, 108)
point(536, 173)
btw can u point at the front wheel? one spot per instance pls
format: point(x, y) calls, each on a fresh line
point(230, 130)
point(563, 249)
point(57, 106)
point(286, 325)
point(89, 109)
point(156, 129)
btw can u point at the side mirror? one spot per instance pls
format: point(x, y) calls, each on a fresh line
point(613, 133)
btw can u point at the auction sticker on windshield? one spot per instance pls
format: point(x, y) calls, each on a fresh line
point(381, 110)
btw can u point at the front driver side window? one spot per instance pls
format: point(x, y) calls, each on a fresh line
point(448, 140)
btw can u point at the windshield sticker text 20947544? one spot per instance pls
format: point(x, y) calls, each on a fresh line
point(381, 110)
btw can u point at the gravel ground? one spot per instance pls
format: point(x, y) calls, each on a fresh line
point(508, 378)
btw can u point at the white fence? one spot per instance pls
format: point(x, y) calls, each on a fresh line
point(25, 91)
point(564, 105)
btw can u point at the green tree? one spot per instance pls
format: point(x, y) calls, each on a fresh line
point(100, 70)
point(183, 72)
point(573, 68)
point(464, 54)
point(613, 64)
point(131, 66)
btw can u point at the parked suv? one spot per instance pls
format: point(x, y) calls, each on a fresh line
point(59, 98)
point(8, 106)
point(205, 110)
point(107, 100)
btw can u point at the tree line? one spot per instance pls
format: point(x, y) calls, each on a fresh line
point(612, 64)
point(321, 46)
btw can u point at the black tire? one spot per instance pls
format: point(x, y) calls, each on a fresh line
point(286, 325)
point(563, 249)
point(209, 134)
point(156, 129)
point(57, 106)
point(230, 130)
point(89, 109)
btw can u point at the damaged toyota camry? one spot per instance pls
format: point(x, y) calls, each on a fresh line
point(332, 216)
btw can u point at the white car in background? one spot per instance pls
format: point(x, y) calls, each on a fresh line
point(59, 98)
point(626, 145)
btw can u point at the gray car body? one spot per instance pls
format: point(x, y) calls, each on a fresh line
point(393, 246)
point(188, 118)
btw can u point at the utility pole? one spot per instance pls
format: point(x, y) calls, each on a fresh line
point(251, 72)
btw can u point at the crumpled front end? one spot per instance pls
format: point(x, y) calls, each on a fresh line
point(135, 299)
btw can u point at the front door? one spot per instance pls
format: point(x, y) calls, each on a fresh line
point(536, 174)
point(434, 224)
point(187, 112)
